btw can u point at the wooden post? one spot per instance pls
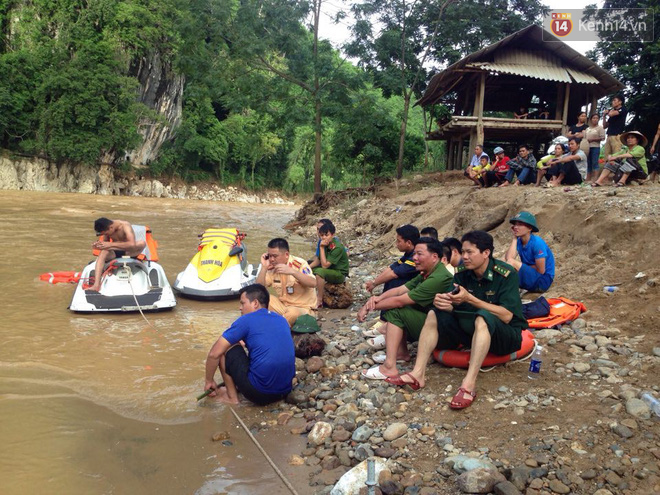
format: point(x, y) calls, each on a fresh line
point(450, 152)
point(472, 144)
point(454, 153)
point(564, 115)
point(459, 153)
point(481, 94)
point(558, 105)
point(594, 105)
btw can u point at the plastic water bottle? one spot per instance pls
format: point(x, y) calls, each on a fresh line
point(610, 288)
point(535, 363)
point(652, 402)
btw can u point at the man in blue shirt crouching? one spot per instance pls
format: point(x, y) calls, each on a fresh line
point(265, 375)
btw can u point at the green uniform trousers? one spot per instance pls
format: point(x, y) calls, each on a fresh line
point(410, 319)
point(456, 329)
point(329, 275)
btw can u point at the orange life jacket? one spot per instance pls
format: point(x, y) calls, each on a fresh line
point(562, 310)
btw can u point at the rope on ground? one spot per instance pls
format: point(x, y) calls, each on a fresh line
point(270, 461)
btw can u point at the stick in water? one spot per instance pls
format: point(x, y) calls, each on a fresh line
point(210, 391)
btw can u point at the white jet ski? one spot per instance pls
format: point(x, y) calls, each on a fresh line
point(219, 269)
point(128, 284)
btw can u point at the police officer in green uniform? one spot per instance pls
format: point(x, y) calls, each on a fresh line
point(408, 305)
point(332, 263)
point(485, 315)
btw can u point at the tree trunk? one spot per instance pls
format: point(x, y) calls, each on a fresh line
point(317, 149)
point(317, 104)
point(402, 135)
point(426, 143)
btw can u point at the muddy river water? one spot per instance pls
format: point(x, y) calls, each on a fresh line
point(96, 404)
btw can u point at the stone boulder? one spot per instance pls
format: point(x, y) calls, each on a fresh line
point(337, 296)
point(479, 480)
point(308, 345)
point(320, 431)
point(353, 481)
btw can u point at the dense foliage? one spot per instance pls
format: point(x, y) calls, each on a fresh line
point(264, 100)
point(69, 91)
point(636, 66)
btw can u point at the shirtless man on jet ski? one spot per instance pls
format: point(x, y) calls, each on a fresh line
point(120, 232)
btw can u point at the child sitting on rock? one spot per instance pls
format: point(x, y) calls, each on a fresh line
point(480, 170)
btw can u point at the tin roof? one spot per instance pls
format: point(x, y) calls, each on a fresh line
point(526, 54)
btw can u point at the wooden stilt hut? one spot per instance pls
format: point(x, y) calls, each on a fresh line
point(483, 90)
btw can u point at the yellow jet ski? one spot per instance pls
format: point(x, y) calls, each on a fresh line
point(219, 269)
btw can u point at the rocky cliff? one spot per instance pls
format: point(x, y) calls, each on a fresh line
point(38, 174)
point(162, 91)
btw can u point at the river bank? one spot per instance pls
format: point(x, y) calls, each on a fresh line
point(38, 174)
point(580, 428)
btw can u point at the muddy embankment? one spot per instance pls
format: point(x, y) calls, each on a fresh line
point(38, 174)
point(579, 428)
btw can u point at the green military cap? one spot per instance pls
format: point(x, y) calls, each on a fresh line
point(305, 324)
point(525, 217)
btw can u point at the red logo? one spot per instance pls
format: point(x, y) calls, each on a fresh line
point(561, 24)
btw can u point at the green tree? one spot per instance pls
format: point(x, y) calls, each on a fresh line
point(74, 98)
point(390, 40)
point(269, 36)
point(636, 66)
point(397, 41)
point(85, 106)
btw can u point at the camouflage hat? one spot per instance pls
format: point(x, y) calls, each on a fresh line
point(525, 217)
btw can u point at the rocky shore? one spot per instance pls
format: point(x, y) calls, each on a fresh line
point(581, 427)
point(37, 174)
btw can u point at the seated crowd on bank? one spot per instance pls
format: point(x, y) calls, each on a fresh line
point(580, 159)
point(444, 294)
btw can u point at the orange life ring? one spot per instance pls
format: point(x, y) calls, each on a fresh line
point(461, 359)
point(60, 277)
